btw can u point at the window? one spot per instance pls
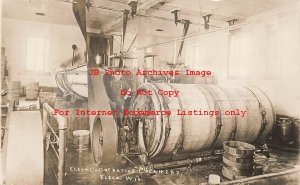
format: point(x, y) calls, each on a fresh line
point(239, 56)
point(204, 52)
point(272, 65)
point(36, 53)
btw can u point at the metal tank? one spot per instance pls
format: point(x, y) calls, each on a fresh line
point(73, 80)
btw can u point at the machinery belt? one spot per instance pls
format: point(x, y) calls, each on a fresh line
point(240, 148)
point(80, 15)
point(186, 24)
point(125, 20)
point(238, 166)
point(98, 99)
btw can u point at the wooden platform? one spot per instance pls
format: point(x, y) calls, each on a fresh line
point(25, 150)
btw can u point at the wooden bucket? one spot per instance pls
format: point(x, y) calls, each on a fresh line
point(81, 139)
point(238, 160)
point(32, 91)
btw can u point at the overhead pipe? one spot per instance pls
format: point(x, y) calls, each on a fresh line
point(121, 11)
point(228, 28)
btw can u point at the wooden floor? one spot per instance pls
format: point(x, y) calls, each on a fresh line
point(81, 170)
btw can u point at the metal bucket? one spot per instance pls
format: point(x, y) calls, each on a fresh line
point(296, 130)
point(285, 130)
point(81, 139)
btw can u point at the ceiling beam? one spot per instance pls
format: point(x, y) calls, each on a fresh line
point(196, 20)
point(144, 6)
point(196, 11)
point(108, 27)
point(149, 4)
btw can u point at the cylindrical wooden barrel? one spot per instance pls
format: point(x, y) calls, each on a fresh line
point(32, 91)
point(182, 78)
point(183, 134)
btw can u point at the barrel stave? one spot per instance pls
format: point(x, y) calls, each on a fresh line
point(183, 134)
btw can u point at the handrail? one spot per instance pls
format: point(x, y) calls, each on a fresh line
point(48, 112)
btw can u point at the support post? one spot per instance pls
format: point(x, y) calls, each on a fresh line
point(61, 152)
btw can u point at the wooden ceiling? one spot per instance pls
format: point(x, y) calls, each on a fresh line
point(60, 12)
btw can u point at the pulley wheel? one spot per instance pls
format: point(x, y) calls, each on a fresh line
point(104, 143)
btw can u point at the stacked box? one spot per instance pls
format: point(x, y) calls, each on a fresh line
point(47, 97)
point(32, 91)
point(14, 90)
point(3, 63)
